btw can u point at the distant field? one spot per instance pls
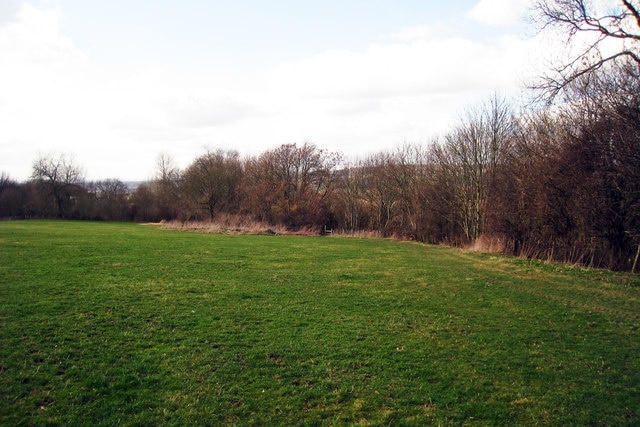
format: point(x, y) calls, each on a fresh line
point(129, 324)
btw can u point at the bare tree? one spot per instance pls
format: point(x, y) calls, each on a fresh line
point(348, 205)
point(61, 177)
point(379, 191)
point(291, 184)
point(588, 30)
point(211, 183)
point(143, 204)
point(111, 199)
point(467, 163)
point(165, 186)
point(390, 190)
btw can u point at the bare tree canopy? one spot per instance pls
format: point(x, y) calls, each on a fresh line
point(599, 33)
point(57, 168)
point(61, 176)
point(211, 183)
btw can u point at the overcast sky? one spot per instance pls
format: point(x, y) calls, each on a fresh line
point(116, 83)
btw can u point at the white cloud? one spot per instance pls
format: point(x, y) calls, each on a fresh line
point(427, 66)
point(498, 12)
point(116, 121)
point(197, 110)
point(43, 84)
point(8, 11)
point(392, 92)
point(411, 33)
point(32, 35)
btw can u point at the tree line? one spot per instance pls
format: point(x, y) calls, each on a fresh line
point(558, 180)
point(557, 183)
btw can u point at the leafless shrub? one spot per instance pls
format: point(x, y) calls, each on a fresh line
point(487, 243)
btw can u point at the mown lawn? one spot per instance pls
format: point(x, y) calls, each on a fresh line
point(128, 324)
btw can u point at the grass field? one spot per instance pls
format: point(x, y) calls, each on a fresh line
point(128, 324)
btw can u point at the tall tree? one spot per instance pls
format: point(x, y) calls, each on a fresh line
point(211, 183)
point(467, 163)
point(61, 178)
point(348, 205)
point(111, 198)
point(291, 184)
point(143, 204)
point(166, 187)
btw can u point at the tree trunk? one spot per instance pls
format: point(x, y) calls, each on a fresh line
point(635, 261)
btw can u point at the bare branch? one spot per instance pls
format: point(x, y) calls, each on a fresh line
point(578, 16)
point(633, 10)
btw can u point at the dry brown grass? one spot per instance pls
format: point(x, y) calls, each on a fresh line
point(234, 224)
point(363, 234)
point(486, 243)
point(239, 224)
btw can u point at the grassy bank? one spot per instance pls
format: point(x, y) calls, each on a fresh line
point(124, 323)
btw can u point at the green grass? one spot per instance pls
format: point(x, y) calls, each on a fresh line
point(128, 324)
